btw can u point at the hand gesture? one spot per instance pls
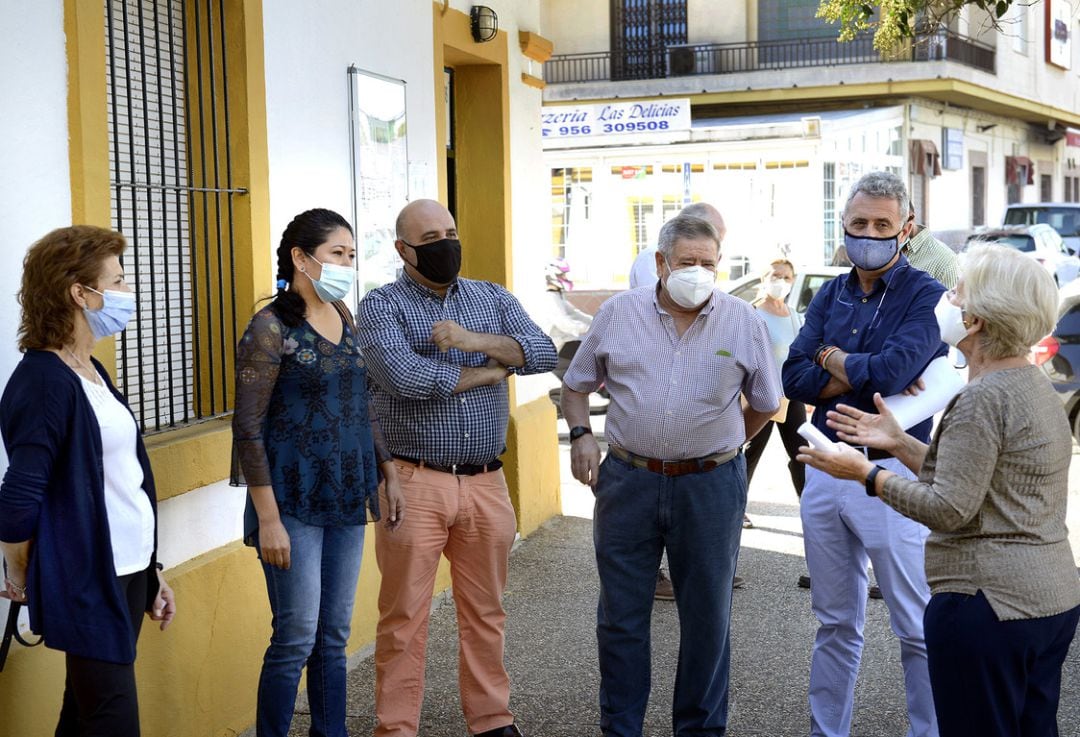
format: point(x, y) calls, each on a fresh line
point(585, 460)
point(274, 545)
point(843, 463)
point(164, 607)
point(865, 428)
point(448, 334)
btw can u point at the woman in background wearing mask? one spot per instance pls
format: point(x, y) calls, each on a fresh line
point(309, 451)
point(783, 324)
point(992, 488)
point(78, 516)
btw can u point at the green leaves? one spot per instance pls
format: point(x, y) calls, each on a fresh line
point(896, 21)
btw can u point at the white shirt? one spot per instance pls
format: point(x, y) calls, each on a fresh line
point(643, 272)
point(677, 396)
point(131, 518)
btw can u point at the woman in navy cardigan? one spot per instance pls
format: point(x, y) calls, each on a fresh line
point(77, 504)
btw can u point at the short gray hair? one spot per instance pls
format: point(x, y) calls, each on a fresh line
point(685, 227)
point(1013, 294)
point(882, 184)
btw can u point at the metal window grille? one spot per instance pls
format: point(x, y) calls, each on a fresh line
point(641, 31)
point(829, 205)
point(170, 178)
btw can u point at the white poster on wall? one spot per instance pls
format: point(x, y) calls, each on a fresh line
point(378, 147)
point(1059, 20)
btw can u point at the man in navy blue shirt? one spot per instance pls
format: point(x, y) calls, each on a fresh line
point(871, 331)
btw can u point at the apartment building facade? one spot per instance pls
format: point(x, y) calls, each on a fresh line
point(782, 118)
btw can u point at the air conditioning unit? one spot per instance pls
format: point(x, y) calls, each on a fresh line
point(681, 61)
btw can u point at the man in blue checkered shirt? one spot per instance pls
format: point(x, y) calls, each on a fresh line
point(439, 349)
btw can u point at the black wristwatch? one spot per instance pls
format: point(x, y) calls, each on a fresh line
point(579, 430)
point(870, 489)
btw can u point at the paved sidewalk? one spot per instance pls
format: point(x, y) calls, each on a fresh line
point(551, 642)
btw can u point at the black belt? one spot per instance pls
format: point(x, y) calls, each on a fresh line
point(873, 454)
point(458, 469)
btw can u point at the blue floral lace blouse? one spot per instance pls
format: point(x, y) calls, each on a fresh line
point(302, 423)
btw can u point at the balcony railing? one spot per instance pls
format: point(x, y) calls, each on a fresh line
point(700, 59)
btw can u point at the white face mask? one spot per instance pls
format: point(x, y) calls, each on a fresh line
point(691, 286)
point(778, 288)
point(950, 320)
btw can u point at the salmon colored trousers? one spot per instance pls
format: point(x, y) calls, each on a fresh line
point(471, 521)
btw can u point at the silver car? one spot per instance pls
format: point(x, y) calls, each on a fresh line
point(1041, 242)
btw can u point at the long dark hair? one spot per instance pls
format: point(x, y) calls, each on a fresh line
point(307, 231)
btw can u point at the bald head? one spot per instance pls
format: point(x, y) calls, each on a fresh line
point(709, 214)
point(422, 221)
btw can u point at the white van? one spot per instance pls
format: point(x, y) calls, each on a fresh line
point(1064, 217)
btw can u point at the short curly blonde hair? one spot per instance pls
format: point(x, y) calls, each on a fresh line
point(1013, 294)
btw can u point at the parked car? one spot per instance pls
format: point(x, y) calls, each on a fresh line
point(807, 283)
point(1058, 354)
point(1041, 242)
point(1064, 217)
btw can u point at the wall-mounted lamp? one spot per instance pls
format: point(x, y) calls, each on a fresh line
point(984, 128)
point(484, 23)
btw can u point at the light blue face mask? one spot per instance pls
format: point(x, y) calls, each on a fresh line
point(335, 282)
point(870, 254)
point(115, 313)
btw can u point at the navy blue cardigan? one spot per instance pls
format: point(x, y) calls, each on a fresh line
point(54, 494)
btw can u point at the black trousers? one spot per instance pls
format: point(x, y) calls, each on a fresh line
point(789, 434)
point(992, 678)
point(99, 697)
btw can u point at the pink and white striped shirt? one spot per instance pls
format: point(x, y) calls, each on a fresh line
point(677, 397)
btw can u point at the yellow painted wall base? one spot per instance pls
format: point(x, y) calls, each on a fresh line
point(532, 464)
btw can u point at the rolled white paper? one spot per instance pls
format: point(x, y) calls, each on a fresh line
point(943, 382)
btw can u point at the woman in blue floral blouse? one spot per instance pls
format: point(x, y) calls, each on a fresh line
point(310, 451)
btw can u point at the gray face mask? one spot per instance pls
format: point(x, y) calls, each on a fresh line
point(870, 254)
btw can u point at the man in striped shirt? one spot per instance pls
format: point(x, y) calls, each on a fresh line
point(676, 360)
point(438, 349)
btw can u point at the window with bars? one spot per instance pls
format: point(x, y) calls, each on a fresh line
point(170, 177)
point(641, 31)
point(829, 221)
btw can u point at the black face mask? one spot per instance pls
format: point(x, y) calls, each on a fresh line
point(438, 261)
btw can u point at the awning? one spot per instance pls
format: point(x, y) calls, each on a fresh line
point(1013, 166)
point(925, 160)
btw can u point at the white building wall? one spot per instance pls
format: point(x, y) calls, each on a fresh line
point(576, 26)
point(35, 180)
point(308, 52)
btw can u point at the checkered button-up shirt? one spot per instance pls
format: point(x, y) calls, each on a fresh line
point(677, 397)
point(412, 382)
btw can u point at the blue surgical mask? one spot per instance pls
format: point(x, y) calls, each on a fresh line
point(116, 311)
point(335, 282)
point(870, 254)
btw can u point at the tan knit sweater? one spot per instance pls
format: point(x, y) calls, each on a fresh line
point(993, 490)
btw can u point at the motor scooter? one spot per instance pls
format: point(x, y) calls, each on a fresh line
point(567, 326)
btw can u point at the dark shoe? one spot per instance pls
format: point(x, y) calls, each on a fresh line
point(664, 590)
point(510, 730)
point(875, 592)
point(804, 582)
point(738, 583)
point(746, 523)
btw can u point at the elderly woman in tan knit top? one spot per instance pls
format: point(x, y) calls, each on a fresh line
point(992, 488)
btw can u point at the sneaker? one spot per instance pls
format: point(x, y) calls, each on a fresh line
point(746, 523)
point(804, 582)
point(875, 592)
point(665, 591)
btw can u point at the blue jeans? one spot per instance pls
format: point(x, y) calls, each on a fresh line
point(312, 604)
point(698, 518)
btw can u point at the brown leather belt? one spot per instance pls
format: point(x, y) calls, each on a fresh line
point(458, 469)
point(673, 468)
